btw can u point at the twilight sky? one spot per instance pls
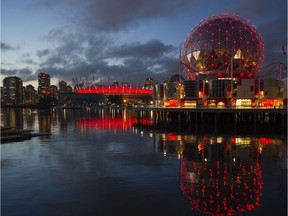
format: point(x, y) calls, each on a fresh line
point(124, 40)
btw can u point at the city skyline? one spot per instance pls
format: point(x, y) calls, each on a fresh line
point(87, 39)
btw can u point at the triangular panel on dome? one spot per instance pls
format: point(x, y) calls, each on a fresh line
point(189, 56)
point(238, 55)
point(196, 54)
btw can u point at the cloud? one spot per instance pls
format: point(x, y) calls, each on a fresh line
point(77, 54)
point(43, 53)
point(87, 45)
point(26, 74)
point(115, 15)
point(7, 47)
point(270, 19)
point(103, 68)
point(151, 49)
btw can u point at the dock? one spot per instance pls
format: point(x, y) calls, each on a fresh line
point(11, 134)
point(251, 120)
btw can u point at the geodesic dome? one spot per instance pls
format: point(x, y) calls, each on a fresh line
point(218, 43)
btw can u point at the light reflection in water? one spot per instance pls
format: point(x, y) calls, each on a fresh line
point(106, 122)
point(219, 175)
point(218, 188)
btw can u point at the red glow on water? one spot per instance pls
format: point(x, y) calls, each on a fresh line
point(107, 122)
point(114, 90)
point(172, 136)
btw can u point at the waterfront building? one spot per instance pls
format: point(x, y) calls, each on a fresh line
point(12, 91)
point(158, 94)
point(43, 83)
point(285, 91)
point(29, 95)
point(245, 93)
point(221, 58)
point(2, 94)
point(173, 90)
point(69, 89)
point(62, 86)
point(53, 90)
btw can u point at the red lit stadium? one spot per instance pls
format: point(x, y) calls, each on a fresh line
point(220, 44)
point(114, 89)
point(117, 94)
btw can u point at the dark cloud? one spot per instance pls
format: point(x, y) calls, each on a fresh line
point(26, 74)
point(69, 48)
point(97, 46)
point(43, 53)
point(115, 15)
point(270, 19)
point(87, 45)
point(27, 59)
point(102, 68)
point(7, 47)
point(261, 10)
point(151, 49)
point(100, 56)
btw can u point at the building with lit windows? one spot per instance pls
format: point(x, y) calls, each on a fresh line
point(221, 58)
point(12, 91)
point(29, 95)
point(43, 83)
point(53, 89)
point(62, 86)
point(245, 93)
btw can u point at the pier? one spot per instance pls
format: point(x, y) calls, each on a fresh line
point(218, 120)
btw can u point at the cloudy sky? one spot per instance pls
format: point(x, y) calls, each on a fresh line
point(124, 40)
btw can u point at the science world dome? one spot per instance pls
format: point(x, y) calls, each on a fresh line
point(221, 44)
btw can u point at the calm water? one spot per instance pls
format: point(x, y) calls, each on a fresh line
point(97, 163)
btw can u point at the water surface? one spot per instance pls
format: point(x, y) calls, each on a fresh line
point(98, 163)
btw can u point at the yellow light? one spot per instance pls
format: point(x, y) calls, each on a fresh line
point(219, 139)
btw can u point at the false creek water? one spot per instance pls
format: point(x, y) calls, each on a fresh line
point(97, 162)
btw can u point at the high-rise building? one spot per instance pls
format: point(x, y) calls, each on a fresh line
point(29, 95)
point(2, 94)
point(43, 83)
point(53, 90)
point(69, 89)
point(62, 86)
point(12, 90)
